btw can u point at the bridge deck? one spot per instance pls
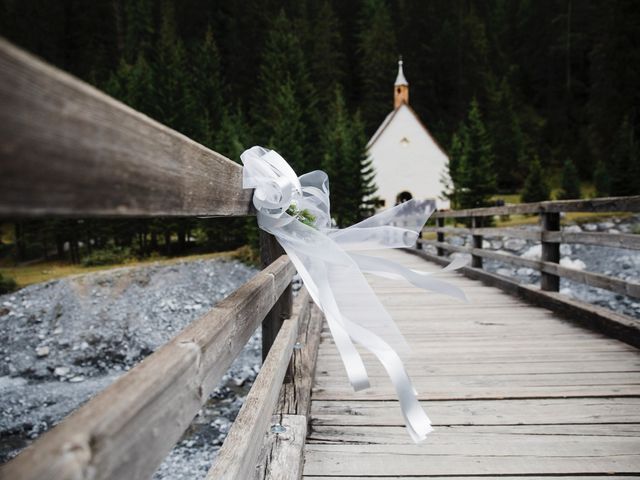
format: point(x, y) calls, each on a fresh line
point(511, 389)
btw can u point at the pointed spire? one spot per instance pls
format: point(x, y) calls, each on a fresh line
point(400, 79)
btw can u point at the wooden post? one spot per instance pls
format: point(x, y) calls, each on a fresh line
point(476, 261)
point(270, 250)
point(440, 235)
point(550, 251)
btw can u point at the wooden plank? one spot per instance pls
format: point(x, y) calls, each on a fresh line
point(239, 452)
point(598, 318)
point(470, 477)
point(397, 435)
point(295, 395)
point(544, 411)
point(282, 453)
point(270, 250)
point(489, 451)
point(592, 279)
point(69, 149)
point(616, 240)
point(126, 431)
point(609, 204)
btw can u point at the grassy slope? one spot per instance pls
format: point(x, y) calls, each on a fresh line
point(48, 270)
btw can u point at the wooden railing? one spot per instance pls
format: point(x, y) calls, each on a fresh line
point(66, 149)
point(549, 234)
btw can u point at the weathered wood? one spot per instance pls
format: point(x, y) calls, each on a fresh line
point(282, 453)
point(545, 411)
point(592, 279)
point(550, 252)
point(615, 240)
point(487, 232)
point(610, 204)
point(126, 431)
point(476, 241)
point(510, 388)
point(69, 149)
point(270, 250)
point(614, 324)
point(295, 395)
point(440, 235)
point(237, 458)
point(488, 451)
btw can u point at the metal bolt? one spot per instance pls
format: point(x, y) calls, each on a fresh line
point(278, 428)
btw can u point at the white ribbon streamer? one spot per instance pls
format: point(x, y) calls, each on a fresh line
point(332, 272)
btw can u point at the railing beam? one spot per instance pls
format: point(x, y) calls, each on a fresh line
point(476, 261)
point(270, 250)
point(550, 222)
point(440, 235)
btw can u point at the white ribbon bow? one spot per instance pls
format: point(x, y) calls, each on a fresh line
point(332, 272)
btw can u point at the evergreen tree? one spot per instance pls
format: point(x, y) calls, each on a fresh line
point(378, 56)
point(285, 115)
point(625, 161)
point(453, 181)
point(535, 188)
point(602, 179)
point(326, 57)
point(476, 169)
point(366, 191)
point(207, 86)
point(570, 182)
point(139, 29)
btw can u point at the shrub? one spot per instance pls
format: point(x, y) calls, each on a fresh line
point(248, 255)
point(7, 284)
point(106, 256)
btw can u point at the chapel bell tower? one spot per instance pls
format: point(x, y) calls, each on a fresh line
point(401, 88)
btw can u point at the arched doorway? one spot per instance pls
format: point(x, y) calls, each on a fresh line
point(403, 197)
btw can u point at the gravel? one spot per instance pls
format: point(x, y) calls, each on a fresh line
point(67, 339)
point(616, 262)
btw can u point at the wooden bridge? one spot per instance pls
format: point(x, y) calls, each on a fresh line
point(520, 382)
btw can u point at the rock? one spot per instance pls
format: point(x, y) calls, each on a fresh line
point(590, 227)
point(496, 244)
point(605, 226)
point(486, 244)
point(514, 244)
point(525, 272)
point(77, 379)
point(455, 240)
point(42, 351)
point(533, 253)
point(61, 371)
point(565, 249)
point(505, 272)
point(572, 229)
point(576, 264)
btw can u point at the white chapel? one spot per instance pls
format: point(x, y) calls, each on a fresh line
point(407, 160)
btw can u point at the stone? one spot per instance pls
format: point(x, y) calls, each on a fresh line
point(533, 253)
point(77, 379)
point(496, 244)
point(61, 371)
point(505, 272)
point(572, 229)
point(42, 351)
point(576, 264)
point(514, 244)
point(590, 227)
point(565, 249)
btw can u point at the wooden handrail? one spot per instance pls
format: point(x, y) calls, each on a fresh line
point(237, 457)
point(127, 430)
point(549, 234)
point(611, 204)
point(68, 149)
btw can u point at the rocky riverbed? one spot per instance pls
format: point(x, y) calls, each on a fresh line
point(616, 262)
point(67, 339)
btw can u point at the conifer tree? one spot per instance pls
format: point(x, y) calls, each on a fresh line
point(453, 180)
point(139, 29)
point(367, 188)
point(207, 85)
point(378, 56)
point(535, 188)
point(284, 109)
point(570, 182)
point(476, 170)
point(602, 179)
point(625, 161)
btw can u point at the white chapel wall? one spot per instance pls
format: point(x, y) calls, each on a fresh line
point(416, 166)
